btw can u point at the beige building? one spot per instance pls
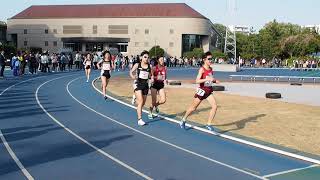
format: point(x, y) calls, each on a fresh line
point(127, 28)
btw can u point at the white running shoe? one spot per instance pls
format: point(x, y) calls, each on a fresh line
point(87, 80)
point(141, 122)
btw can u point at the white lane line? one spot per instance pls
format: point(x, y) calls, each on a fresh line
point(6, 144)
point(15, 158)
point(242, 141)
point(85, 141)
point(290, 171)
point(18, 84)
point(160, 140)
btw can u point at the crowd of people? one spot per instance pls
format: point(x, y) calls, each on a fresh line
point(279, 63)
point(148, 74)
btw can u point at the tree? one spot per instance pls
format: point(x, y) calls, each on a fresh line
point(218, 54)
point(8, 49)
point(196, 52)
point(156, 51)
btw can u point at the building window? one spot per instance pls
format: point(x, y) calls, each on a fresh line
point(72, 29)
point(118, 29)
point(136, 31)
point(46, 31)
point(122, 47)
point(55, 43)
point(146, 31)
point(25, 43)
point(94, 47)
point(171, 31)
point(54, 31)
point(171, 44)
point(46, 43)
point(191, 41)
point(25, 31)
point(95, 29)
point(136, 44)
point(146, 44)
point(73, 46)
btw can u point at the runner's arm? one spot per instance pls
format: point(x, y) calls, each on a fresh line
point(134, 68)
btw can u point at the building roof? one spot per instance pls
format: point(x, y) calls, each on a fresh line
point(159, 10)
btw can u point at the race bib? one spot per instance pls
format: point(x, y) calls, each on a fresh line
point(106, 66)
point(88, 63)
point(200, 92)
point(160, 77)
point(144, 75)
point(208, 83)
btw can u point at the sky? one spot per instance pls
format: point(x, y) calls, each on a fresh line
point(255, 13)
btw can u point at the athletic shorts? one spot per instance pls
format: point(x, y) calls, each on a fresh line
point(157, 85)
point(88, 66)
point(203, 93)
point(106, 74)
point(143, 86)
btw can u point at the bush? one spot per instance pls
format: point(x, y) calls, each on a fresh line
point(156, 51)
point(218, 54)
point(196, 52)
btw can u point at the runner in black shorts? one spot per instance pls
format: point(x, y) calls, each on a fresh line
point(144, 73)
point(87, 64)
point(159, 75)
point(106, 67)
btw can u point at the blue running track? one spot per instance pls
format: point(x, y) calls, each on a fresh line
point(58, 127)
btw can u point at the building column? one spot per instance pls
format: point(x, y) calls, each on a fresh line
point(83, 49)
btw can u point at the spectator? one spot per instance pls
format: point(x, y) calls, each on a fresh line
point(2, 64)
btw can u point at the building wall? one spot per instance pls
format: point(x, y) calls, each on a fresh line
point(3, 32)
point(166, 32)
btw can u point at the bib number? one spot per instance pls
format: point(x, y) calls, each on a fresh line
point(144, 75)
point(160, 77)
point(208, 83)
point(200, 92)
point(106, 67)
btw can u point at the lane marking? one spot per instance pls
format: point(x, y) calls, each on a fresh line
point(290, 171)
point(83, 140)
point(15, 158)
point(242, 141)
point(6, 144)
point(160, 140)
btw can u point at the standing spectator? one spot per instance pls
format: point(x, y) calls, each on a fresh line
point(2, 64)
point(54, 59)
point(15, 63)
point(33, 64)
point(77, 60)
point(44, 62)
point(70, 61)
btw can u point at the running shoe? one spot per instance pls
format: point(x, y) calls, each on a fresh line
point(182, 124)
point(150, 116)
point(105, 97)
point(210, 128)
point(157, 112)
point(141, 122)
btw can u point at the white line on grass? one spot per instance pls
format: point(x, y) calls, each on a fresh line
point(160, 140)
point(85, 141)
